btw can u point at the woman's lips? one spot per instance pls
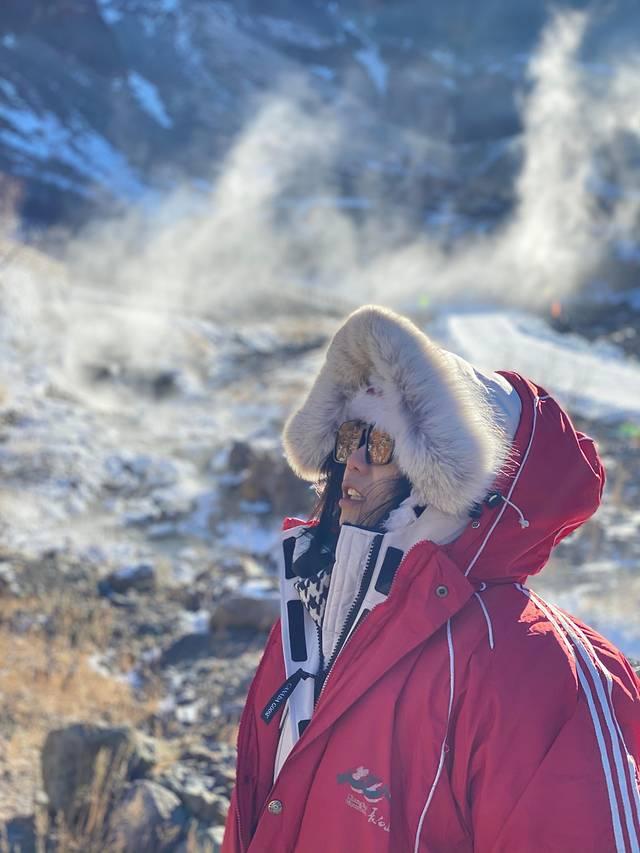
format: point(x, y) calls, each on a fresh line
point(351, 496)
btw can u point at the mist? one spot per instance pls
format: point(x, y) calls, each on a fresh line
point(298, 221)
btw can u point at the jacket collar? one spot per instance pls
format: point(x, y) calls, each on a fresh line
point(427, 591)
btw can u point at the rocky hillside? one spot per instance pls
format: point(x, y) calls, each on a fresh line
point(108, 101)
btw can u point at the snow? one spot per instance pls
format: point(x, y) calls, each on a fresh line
point(44, 137)
point(323, 72)
point(8, 89)
point(369, 58)
point(592, 380)
point(195, 622)
point(247, 537)
point(260, 588)
point(110, 14)
point(149, 99)
point(293, 33)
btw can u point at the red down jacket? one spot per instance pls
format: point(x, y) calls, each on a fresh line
point(454, 722)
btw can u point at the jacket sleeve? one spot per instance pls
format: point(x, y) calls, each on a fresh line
point(551, 751)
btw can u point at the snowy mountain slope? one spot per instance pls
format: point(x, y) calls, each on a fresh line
point(103, 100)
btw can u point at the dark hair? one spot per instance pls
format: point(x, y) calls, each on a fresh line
point(326, 511)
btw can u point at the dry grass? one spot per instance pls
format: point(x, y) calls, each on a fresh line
point(47, 680)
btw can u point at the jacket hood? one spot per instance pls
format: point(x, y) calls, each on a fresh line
point(554, 485)
point(450, 439)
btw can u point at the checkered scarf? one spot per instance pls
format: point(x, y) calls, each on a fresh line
point(313, 593)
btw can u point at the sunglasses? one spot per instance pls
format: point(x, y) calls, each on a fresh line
point(353, 434)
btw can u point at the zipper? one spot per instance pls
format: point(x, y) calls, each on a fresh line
point(334, 656)
point(366, 578)
point(239, 825)
point(372, 557)
point(318, 682)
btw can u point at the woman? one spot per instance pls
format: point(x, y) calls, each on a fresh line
point(416, 696)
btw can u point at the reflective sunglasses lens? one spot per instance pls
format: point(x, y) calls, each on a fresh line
point(348, 439)
point(380, 447)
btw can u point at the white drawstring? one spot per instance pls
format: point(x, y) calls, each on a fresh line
point(523, 521)
point(483, 586)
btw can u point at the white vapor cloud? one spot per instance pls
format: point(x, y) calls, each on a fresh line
point(279, 235)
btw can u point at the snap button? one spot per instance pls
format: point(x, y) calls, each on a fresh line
point(475, 524)
point(442, 591)
point(275, 807)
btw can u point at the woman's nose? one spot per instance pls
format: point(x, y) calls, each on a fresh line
point(357, 461)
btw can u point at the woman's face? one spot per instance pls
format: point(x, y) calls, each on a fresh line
point(366, 489)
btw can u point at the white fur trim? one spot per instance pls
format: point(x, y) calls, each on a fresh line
point(450, 442)
point(402, 515)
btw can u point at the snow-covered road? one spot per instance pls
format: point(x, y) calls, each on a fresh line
point(592, 380)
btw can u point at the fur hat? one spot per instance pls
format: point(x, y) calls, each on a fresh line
point(449, 440)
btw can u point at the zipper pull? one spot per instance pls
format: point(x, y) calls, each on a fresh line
point(282, 694)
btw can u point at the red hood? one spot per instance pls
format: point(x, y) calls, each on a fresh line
point(556, 481)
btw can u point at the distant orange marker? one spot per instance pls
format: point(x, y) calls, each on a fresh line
point(556, 310)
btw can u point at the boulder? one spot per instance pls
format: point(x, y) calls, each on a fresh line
point(187, 648)
point(148, 819)
point(199, 790)
point(82, 759)
point(254, 605)
point(259, 476)
point(138, 576)
point(209, 806)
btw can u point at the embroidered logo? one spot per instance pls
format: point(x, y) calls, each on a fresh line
point(369, 789)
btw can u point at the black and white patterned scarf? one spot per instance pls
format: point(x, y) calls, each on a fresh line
point(313, 592)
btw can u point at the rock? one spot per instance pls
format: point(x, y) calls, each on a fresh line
point(21, 835)
point(198, 791)
point(208, 806)
point(133, 474)
point(202, 839)
point(8, 581)
point(139, 576)
point(260, 476)
point(198, 753)
point(121, 601)
point(187, 648)
point(71, 768)
point(253, 605)
point(241, 566)
point(148, 819)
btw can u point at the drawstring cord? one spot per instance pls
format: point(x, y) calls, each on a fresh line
point(493, 499)
point(523, 521)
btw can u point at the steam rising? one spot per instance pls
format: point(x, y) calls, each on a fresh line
point(281, 234)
